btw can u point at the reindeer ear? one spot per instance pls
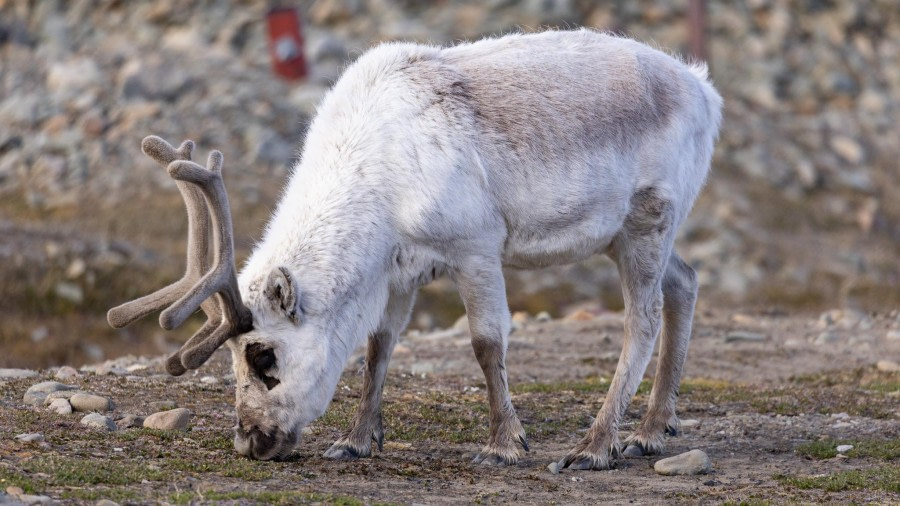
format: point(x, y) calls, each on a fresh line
point(282, 294)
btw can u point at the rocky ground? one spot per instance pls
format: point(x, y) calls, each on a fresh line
point(802, 209)
point(787, 408)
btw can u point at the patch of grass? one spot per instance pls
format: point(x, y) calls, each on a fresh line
point(266, 497)
point(119, 495)
point(230, 468)
point(71, 471)
point(884, 478)
point(585, 386)
point(11, 477)
point(882, 449)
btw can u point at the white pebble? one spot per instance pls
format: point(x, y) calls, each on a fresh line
point(30, 438)
point(98, 421)
point(844, 448)
point(61, 406)
point(692, 462)
point(173, 419)
point(209, 380)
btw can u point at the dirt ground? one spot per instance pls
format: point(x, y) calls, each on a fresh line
point(767, 396)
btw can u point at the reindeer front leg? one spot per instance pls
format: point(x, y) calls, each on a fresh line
point(367, 426)
point(481, 286)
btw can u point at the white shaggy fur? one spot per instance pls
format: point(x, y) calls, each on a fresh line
point(525, 151)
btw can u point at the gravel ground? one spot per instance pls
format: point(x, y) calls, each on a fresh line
point(768, 398)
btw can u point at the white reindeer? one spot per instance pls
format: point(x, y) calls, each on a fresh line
point(523, 151)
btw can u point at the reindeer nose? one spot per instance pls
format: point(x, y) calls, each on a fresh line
point(257, 444)
point(254, 443)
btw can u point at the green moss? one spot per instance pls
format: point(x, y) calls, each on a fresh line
point(231, 468)
point(12, 477)
point(266, 497)
point(882, 449)
point(72, 471)
point(119, 495)
point(884, 478)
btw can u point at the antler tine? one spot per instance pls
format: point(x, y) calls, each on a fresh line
point(198, 244)
point(221, 279)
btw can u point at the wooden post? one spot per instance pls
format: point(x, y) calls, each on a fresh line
point(697, 20)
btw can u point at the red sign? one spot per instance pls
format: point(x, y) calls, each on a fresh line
point(286, 43)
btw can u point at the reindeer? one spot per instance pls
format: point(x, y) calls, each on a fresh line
point(522, 151)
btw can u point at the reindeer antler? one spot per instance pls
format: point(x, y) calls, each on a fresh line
point(210, 287)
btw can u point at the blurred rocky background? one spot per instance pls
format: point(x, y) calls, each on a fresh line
point(801, 212)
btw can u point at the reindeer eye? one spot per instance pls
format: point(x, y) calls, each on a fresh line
point(261, 360)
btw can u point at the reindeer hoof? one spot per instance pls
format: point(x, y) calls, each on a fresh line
point(495, 457)
point(344, 450)
point(585, 461)
point(634, 450)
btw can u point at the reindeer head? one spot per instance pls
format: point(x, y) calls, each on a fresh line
point(269, 415)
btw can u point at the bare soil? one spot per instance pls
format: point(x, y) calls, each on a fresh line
point(768, 412)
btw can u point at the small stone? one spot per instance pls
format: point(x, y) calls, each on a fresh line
point(16, 373)
point(90, 402)
point(13, 490)
point(61, 406)
point(66, 372)
point(543, 317)
point(129, 421)
point(887, 366)
point(826, 337)
point(35, 395)
point(553, 467)
point(98, 421)
point(844, 448)
point(462, 323)
point(175, 419)
point(30, 438)
point(893, 335)
point(163, 405)
point(580, 316)
point(209, 380)
point(62, 394)
point(106, 502)
point(688, 463)
point(35, 499)
point(741, 335)
point(689, 423)
point(521, 317)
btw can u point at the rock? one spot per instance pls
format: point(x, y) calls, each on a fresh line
point(826, 337)
point(209, 380)
point(688, 463)
point(162, 405)
point(90, 402)
point(13, 490)
point(62, 394)
point(740, 335)
point(16, 373)
point(553, 467)
point(61, 407)
point(98, 421)
point(543, 317)
point(887, 366)
point(30, 438)
point(521, 317)
point(580, 316)
point(847, 148)
point(35, 499)
point(893, 335)
point(70, 292)
point(129, 421)
point(65, 372)
point(175, 419)
point(106, 502)
point(35, 395)
point(844, 448)
point(73, 76)
point(689, 423)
